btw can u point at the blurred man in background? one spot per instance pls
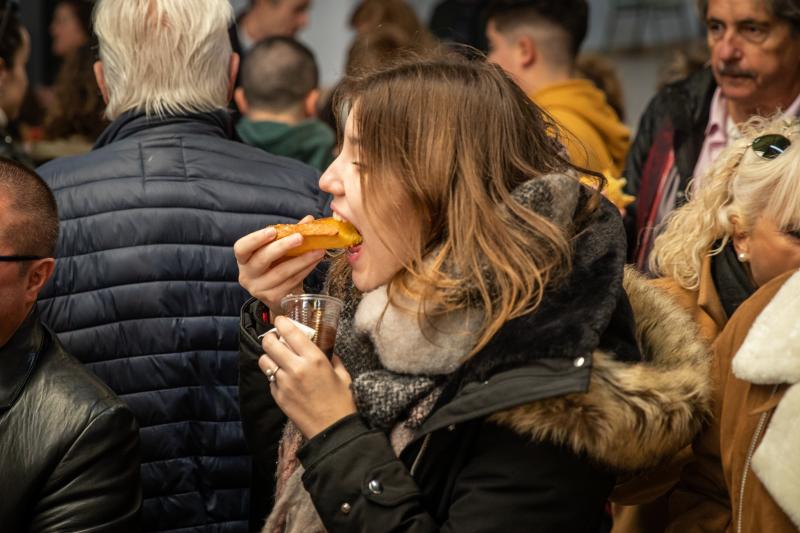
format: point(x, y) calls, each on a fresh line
point(537, 42)
point(145, 290)
point(69, 449)
point(278, 98)
point(268, 18)
point(755, 70)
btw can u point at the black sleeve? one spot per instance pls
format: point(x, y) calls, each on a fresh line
point(634, 164)
point(508, 484)
point(96, 485)
point(262, 420)
point(637, 155)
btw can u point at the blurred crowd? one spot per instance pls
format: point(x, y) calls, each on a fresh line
point(550, 324)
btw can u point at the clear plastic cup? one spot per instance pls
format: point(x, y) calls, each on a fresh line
point(317, 311)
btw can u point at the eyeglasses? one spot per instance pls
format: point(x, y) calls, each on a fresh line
point(770, 146)
point(16, 258)
point(11, 5)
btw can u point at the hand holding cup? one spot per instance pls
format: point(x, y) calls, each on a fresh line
point(311, 390)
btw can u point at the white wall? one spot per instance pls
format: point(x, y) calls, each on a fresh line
point(329, 36)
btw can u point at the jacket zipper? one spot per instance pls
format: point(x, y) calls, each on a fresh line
point(420, 454)
point(750, 452)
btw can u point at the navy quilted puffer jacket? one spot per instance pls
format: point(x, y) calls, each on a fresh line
point(146, 292)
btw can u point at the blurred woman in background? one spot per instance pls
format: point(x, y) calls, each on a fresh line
point(15, 47)
point(74, 106)
point(373, 14)
point(71, 27)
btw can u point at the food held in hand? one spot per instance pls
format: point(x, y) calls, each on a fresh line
point(321, 234)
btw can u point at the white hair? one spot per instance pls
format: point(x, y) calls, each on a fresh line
point(164, 57)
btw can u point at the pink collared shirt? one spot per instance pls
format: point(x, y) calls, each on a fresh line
point(721, 130)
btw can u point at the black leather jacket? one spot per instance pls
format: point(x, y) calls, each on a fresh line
point(69, 449)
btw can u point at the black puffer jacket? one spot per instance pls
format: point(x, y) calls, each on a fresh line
point(69, 449)
point(529, 433)
point(145, 293)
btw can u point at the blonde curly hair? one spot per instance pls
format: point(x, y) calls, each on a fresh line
point(739, 188)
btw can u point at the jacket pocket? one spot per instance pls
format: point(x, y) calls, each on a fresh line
point(250, 327)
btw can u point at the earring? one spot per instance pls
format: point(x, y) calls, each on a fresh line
point(743, 257)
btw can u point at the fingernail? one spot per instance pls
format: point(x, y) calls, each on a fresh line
point(297, 238)
point(269, 231)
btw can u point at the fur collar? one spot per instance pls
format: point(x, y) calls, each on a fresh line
point(771, 351)
point(776, 461)
point(770, 354)
point(634, 414)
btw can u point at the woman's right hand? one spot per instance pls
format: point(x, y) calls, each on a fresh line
point(266, 273)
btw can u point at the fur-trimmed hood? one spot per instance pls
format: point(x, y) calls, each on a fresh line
point(633, 414)
point(608, 365)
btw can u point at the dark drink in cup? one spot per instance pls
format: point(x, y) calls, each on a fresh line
point(319, 312)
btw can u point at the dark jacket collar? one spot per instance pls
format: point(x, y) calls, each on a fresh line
point(18, 358)
point(730, 279)
point(694, 96)
point(689, 103)
point(132, 123)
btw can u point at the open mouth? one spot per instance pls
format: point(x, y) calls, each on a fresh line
point(353, 252)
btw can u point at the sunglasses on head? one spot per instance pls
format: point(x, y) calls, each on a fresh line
point(15, 258)
point(770, 146)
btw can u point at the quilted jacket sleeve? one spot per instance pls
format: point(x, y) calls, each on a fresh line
point(95, 487)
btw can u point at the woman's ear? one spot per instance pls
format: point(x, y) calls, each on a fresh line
point(741, 239)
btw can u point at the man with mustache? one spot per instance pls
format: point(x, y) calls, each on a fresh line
point(754, 70)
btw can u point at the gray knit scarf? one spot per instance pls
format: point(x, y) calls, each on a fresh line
point(397, 370)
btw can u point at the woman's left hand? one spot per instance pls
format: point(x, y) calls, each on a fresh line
point(312, 391)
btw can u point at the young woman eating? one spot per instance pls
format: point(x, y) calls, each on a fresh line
point(488, 375)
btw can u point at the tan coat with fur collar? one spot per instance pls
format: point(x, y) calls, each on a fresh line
point(703, 304)
point(746, 473)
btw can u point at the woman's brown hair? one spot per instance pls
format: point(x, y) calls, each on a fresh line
point(373, 14)
point(443, 143)
point(78, 107)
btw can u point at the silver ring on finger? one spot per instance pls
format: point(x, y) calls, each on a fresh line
point(271, 374)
